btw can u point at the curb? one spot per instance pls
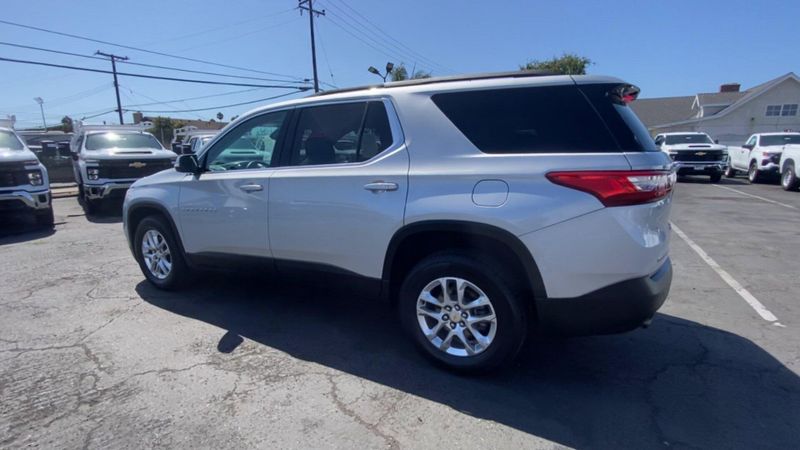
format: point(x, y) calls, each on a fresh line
point(64, 192)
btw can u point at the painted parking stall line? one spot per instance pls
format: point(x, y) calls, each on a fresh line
point(727, 278)
point(746, 194)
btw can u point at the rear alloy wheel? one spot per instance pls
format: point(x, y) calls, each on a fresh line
point(730, 172)
point(464, 315)
point(753, 174)
point(158, 254)
point(715, 178)
point(789, 180)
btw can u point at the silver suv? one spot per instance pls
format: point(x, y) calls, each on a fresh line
point(482, 207)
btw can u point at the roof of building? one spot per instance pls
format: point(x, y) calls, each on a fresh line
point(654, 111)
point(719, 98)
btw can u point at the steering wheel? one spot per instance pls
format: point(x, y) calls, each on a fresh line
point(255, 165)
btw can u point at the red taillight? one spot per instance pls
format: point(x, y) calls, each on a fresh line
point(619, 187)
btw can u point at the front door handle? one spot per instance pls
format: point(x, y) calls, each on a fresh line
point(380, 186)
point(251, 187)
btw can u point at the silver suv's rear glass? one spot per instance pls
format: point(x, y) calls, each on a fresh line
point(547, 119)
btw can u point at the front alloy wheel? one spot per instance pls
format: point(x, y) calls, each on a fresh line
point(156, 254)
point(753, 174)
point(456, 316)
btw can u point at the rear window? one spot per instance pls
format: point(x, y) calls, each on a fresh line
point(550, 119)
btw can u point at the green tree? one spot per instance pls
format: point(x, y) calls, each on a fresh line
point(568, 63)
point(162, 129)
point(400, 73)
point(66, 124)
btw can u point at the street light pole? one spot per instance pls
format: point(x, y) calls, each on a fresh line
point(40, 101)
point(389, 68)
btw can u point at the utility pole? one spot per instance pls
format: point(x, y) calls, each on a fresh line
point(114, 59)
point(311, 11)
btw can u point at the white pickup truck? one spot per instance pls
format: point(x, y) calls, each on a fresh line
point(694, 153)
point(760, 156)
point(790, 159)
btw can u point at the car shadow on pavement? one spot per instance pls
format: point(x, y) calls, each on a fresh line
point(677, 383)
point(21, 228)
point(108, 212)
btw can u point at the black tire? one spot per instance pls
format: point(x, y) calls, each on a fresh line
point(730, 172)
point(508, 300)
point(789, 180)
point(45, 218)
point(715, 178)
point(90, 206)
point(753, 174)
point(179, 274)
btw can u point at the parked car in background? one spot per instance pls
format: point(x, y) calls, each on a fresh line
point(24, 185)
point(52, 149)
point(694, 153)
point(499, 218)
point(190, 141)
point(108, 159)
point(760, 156)
point(790, 161)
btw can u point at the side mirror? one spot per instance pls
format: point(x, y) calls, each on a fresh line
point(748, 146)
point(187, 164)
point(716, 141)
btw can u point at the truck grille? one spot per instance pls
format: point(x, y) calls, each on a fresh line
point(132, 168)
point(13, 174)
point(699, 155)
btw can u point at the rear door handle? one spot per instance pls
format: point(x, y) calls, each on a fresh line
point(251, 187)
point(380, 186)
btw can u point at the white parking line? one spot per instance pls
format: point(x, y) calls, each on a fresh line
point(755, 196)
point(726, 277)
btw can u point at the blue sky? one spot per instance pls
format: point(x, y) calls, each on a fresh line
point(666, 48)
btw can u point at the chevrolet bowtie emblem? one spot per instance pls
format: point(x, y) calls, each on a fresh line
point(137, 165)
point(700, 153)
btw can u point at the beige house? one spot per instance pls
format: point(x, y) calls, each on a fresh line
point(729, 115)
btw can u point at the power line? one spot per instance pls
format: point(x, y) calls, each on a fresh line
point(75, 36)
point(181, 100)
point(388, 36)
point(153, 77)
point(155, 66)
point(223, 106)
point(325, 54)
point(114, 59)
point(239, 36)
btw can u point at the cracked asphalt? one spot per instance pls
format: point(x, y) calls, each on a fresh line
point(91, 356)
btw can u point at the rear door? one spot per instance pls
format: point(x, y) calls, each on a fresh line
point(223, 210)
point(341, 194)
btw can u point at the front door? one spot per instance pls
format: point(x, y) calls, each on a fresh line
point(341, 195)
point(223, 210)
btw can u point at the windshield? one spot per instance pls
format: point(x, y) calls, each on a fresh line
point(9, 140)
point(121, 140)
point(34, 140)
point(675, 139)
point(779, 139)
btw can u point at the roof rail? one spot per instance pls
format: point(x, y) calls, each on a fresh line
point(434, 80)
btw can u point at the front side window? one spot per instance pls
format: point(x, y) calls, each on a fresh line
point(9, 140)
point(251, 145)
point(341, 133)
point(98, 141)
point(771, 140)
point(751, 141)
point(674, 139)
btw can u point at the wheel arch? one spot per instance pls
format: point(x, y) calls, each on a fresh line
point(139, 211)
point(420, 239)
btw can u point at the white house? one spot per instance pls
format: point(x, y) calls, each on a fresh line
point(730, 115)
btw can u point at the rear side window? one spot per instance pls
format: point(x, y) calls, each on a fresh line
point(340, 133)
point(549, 119)
point(527, 120)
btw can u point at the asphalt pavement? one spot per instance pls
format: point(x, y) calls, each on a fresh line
point(92, 356)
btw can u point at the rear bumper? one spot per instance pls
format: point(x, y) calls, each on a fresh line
point(620, 307)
